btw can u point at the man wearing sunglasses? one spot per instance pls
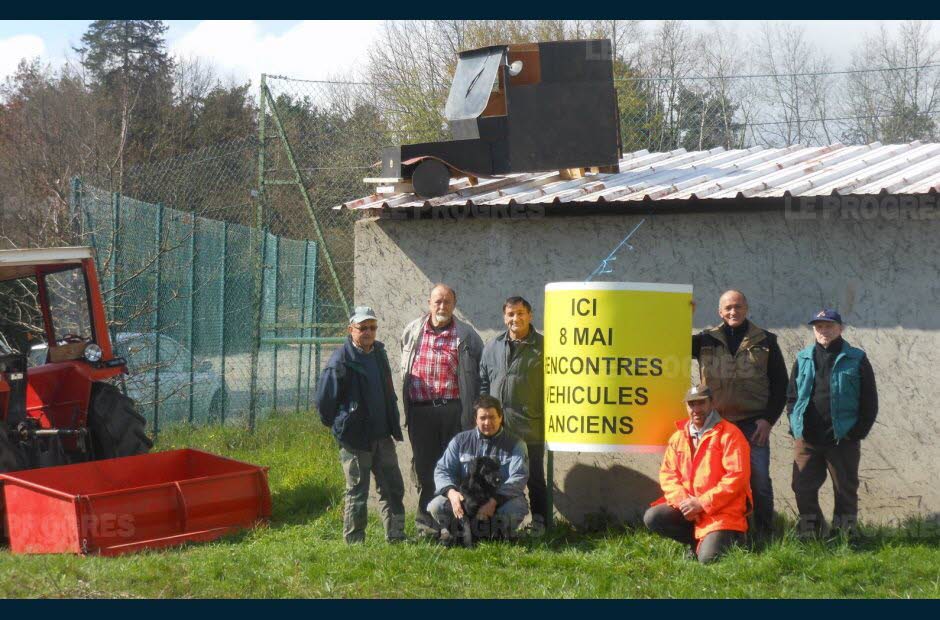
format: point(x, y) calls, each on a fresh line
point(356, 398)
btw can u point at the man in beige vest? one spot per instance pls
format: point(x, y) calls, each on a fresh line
point(744, 368)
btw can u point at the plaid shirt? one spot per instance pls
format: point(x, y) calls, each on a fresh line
point(434, 371)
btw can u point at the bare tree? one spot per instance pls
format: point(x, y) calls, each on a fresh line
point(724, 103)
point(625, 36)
point(409, 75)
point(893, 94)
point(796, 97)
point(670, 58)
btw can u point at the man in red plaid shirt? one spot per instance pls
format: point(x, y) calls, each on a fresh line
point(440, 370)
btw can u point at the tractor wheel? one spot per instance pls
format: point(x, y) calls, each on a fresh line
point(116, 427)
point(9, 454)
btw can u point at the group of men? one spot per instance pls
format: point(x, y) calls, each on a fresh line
point(464, 400)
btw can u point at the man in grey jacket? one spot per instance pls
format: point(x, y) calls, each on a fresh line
point(440, 364)
point(507, 510)
point(511, 370)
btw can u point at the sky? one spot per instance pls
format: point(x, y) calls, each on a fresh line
point(243, 49)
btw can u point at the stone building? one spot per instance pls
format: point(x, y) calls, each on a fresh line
point(795, 228)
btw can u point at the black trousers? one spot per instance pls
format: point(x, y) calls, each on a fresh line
point(430, 429)
point(666, 521)
point(538, 494)
point(810, 465)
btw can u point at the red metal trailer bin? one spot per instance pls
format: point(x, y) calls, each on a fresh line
point(126, 504)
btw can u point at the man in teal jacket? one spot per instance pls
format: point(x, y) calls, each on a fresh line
point(832, 403)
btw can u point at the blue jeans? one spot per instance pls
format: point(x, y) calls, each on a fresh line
point(761, 487)
point(509, 515)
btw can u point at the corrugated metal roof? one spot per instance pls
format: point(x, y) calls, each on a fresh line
point(718, 173)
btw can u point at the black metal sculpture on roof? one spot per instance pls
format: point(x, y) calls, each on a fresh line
point(518, 108)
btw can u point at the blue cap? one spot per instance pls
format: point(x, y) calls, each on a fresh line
point(827, 315)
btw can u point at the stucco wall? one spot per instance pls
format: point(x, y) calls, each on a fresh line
point(883, 275)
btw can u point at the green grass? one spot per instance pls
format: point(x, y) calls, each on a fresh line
point(301, 553)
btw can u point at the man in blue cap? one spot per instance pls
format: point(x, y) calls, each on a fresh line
point(832, 403)
point(356, 398)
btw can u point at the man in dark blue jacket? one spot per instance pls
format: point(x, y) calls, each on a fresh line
point(356, 398)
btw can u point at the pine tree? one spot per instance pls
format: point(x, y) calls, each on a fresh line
point(125, 51)
point(131, 72)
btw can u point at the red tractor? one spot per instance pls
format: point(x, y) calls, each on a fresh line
point(64, 411)
point(74, 473)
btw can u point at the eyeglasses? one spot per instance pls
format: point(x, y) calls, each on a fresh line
point(366, 328)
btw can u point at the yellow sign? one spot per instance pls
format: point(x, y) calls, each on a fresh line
point(617, 364)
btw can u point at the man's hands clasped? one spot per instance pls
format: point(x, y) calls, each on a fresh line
point(691, 508)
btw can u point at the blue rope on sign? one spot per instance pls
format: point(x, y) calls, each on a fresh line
point(605, 267)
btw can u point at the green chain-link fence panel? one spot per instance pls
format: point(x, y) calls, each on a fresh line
point(181, 294)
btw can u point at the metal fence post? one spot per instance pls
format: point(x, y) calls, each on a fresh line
point(224, 320)
point(303, 319)
point(192, 314)
point(90, 224)
point(316, 347)
point(259, 256)
point(550, 484)
point(313, 315)
point(256, 344)
point(277, 261)
point(158, 265)
point(304, 193)
point(115, 254)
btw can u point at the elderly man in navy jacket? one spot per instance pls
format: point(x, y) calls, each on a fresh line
point(356, 398)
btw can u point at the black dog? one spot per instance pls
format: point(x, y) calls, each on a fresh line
point(477, 490)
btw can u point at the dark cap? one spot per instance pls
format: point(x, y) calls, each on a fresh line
point(697, 392)
point(828, 315)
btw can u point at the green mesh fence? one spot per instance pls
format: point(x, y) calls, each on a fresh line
point(181, 295)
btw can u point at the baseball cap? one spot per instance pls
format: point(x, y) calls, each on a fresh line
point(362, 313)
point(697, 392)
point(826, 315)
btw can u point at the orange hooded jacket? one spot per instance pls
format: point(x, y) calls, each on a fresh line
point(718, 474)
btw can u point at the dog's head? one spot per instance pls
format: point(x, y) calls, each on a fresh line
point(486, 469)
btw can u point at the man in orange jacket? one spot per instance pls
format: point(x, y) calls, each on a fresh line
point(705, 480)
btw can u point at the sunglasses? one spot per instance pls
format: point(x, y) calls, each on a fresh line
point(366, 328)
